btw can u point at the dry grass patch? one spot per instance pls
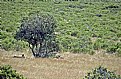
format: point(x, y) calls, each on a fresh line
point(73, 66)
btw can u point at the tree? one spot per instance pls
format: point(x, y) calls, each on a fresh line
point(38, 31)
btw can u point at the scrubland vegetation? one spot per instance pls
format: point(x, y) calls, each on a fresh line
point(83, 27)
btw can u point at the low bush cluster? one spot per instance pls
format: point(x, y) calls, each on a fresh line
point(102, 73)
point(6, 72)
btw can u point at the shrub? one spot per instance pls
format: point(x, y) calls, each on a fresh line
point(7, 43)
point(38, 31)
point(119, 52)
point(11, 44)
point(114, 47)
point(102, 73)
point(98, 44)
point(6, 72)
point(111, 49)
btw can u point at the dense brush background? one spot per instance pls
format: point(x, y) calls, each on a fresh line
point(83, 26)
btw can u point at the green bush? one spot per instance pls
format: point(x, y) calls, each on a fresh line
point(98, 44)
point(102, 73)
point(7, 44)
point(39, 32)
point(114, 48)
point(119, 52)
point(12, 44)
point(111, 49)
point(6, 72)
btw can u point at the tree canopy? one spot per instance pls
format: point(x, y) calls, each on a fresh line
point(38, 31)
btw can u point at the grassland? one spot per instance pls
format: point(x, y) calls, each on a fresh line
point(73, 66)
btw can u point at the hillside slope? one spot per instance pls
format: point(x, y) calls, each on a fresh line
point(83, 26)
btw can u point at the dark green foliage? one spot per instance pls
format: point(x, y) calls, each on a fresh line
point(38, 31)
point(114, 48)
point(6, 72)
point(98, 15)
point(11, 44)
point(102, 73)
point(76, 6)
point(119, 52)
point(111, 49)
point(119, 49)
point(71, 0)
point(111, 6)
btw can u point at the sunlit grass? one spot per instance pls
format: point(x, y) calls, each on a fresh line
point(73, 66)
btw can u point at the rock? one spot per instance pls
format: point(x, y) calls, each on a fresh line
point(99, 15)
point(19, 56)
point(58, 56)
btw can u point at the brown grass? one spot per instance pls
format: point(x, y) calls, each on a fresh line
point(73, 66)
